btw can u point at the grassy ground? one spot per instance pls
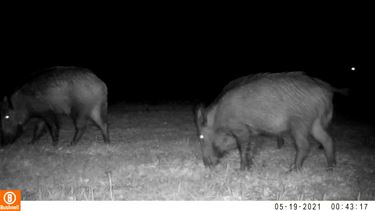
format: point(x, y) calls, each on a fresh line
point(154, 155)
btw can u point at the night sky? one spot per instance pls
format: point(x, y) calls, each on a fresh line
point(179, 56)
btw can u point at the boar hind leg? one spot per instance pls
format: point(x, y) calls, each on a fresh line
point(39, 130)
point(99, 117)
point(321, 135)
point(300, 134)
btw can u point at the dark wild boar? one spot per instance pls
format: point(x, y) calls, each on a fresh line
point(277, 104)
point(72, 91)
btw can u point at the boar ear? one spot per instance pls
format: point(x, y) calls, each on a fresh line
point(5, 103)
point(200, 116)
point(4, 106)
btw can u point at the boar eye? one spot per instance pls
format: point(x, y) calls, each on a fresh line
point(201, 136)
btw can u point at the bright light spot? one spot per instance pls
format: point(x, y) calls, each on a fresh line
point(7, 117)
point(201, 136)
point(353, 68)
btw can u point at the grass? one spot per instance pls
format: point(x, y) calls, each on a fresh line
point(154, 155)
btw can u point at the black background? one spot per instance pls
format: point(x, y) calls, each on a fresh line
point(187, 53)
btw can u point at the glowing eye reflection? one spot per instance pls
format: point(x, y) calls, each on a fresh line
point(6, 116)
point(201, 136)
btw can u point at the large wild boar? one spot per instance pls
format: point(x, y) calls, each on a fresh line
point(72, 91)
point(278, 104)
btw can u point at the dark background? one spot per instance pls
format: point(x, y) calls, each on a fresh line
point(154, 55)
